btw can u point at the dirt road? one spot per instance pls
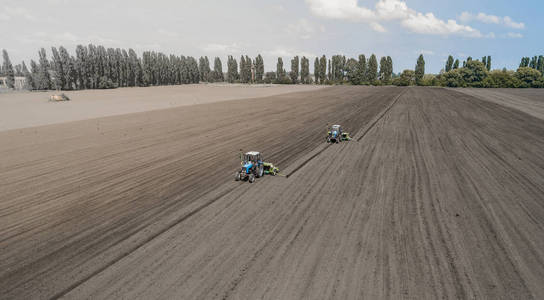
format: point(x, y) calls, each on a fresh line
point(438, 196)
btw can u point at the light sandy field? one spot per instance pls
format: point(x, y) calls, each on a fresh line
point(20, 110)
point(438, 196)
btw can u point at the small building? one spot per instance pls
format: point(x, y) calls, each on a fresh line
point(20, 82)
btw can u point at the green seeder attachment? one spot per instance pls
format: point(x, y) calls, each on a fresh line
point(345, 136)
point(270, 169)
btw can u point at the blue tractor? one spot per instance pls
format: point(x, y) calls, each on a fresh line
point(335, 134)
point(252, 167)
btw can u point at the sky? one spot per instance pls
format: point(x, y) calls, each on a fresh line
point(503, 29)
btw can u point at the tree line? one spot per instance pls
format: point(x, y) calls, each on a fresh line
point(97, 67)
point(476, 73)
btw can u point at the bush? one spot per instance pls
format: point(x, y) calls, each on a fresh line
point(429, 80)
point(529, 77)
point(501, 79)
point(474, 73)
point(408, 77)
point(106, 83)
point(452, 78)
point(283, 80)
point(269, 77)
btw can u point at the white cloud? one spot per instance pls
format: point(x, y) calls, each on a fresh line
point(466, 17)
point(301, 29)
point(287, 52)
point(514, 35)
point(510, 23)
point(12, 13)
point(389, 10)
point(429, 24)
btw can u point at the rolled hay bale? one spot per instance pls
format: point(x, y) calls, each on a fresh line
point(61, 97)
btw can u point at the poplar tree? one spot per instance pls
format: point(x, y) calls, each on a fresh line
point(316, 70)
point(383, 68)
point(232, 69)
point(7, 69)
point(322, 69)
point(488, 63)
point(259, 69)
point(372, 71)
point(218, 70)
point(361, 69)
point(249, 70)
point(420, 69)
point(29, 81)
point(352, 71)
point(449, 64)
point(69, 70)
point(34, 74)
point(44, 81)
point(389, 73)
point(304, 70)
point(294, 70)
point(280, 71)
point(456, 64)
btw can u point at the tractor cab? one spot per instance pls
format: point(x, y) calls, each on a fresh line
point(252, 166)
point(251, 157)
point(334, 134)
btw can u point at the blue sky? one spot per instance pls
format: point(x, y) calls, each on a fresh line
point(506, 30)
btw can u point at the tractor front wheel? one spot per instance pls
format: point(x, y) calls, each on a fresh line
point(238, 176)
point(251, 178)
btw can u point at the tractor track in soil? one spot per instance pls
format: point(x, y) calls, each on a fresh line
point(441, 199)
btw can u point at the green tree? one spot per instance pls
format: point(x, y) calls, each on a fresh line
point(372, 70)
point(452, 78)
point(204, 68)
point(69, 70)
point(456, 64)
point(259, 69)
point(407, 78)
point(44, 81)
point(474, 73)
point(529, 77)
point(29, 80)
point(449, 64)
point(305, 70)
point(232, 69)
point(280, 71)
point(386, 69)
point(218, 70)
point(352, 71)
point(524, 62)
point(540, 64)
point(501, 79)
point(488, 63)
point(294, 70)
point(316, 70)
point(420, 69)
point(322, 69)
point(7, 69)
point(361, 69)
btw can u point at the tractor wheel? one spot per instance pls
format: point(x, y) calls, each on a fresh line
point(238, 176)
point(260, 172)
point(251, 178)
